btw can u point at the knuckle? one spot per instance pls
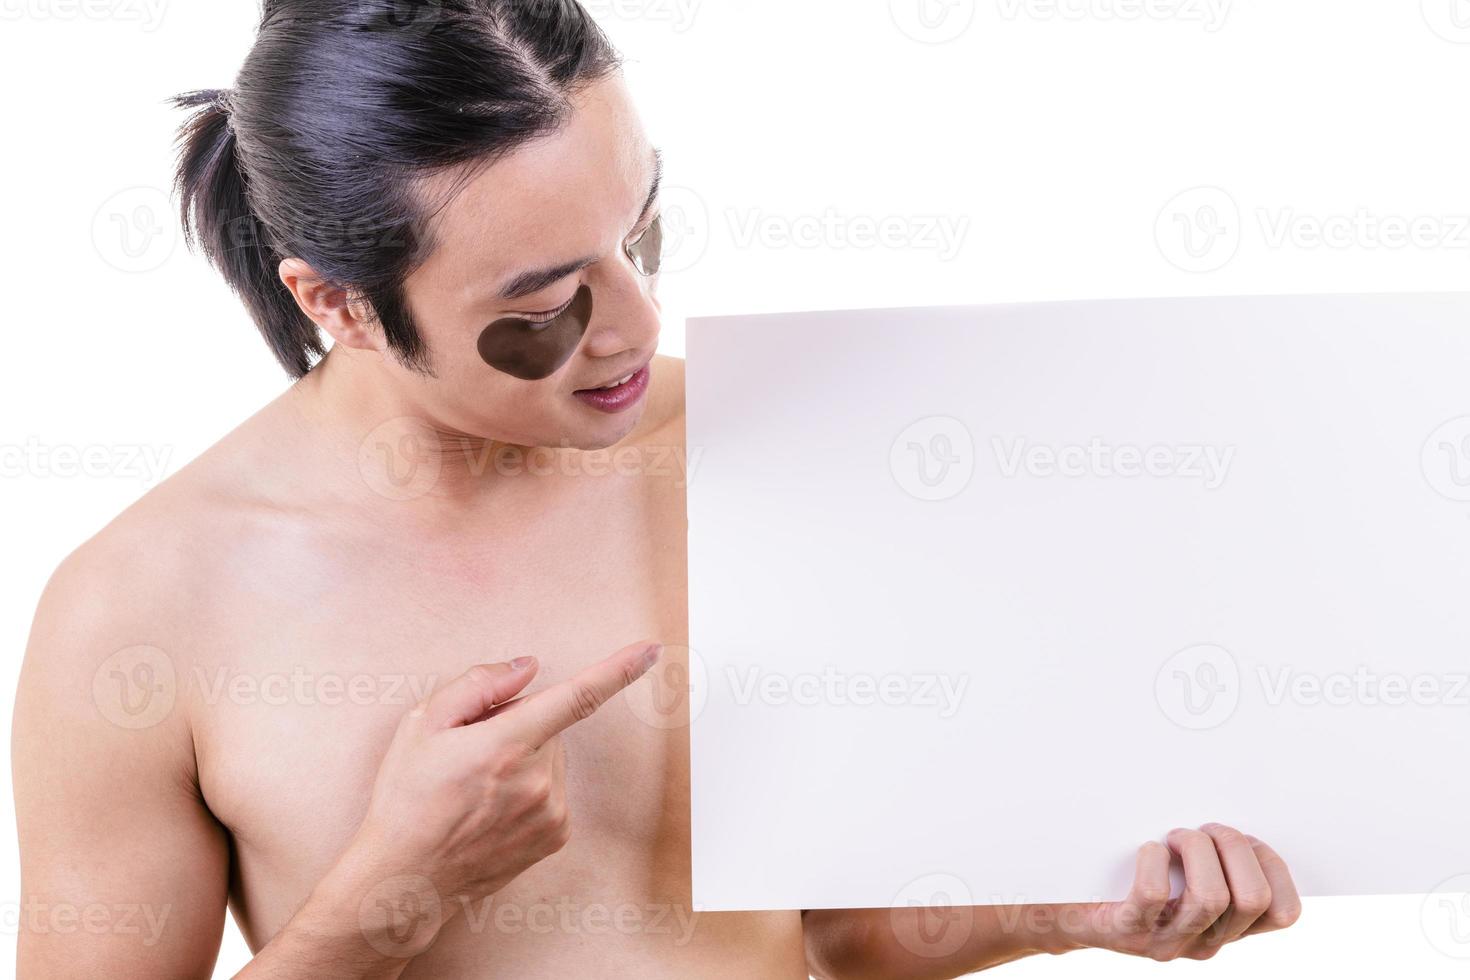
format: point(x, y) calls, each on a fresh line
point(482, 675)
point(1151, 895)
point(1162, 954)
point(585, 702)
point(1193, 924)
point(1226, 836)
point(1219, 932)
point(1269, 860)
point(1135, 923)
point(631, 673)
point(1214, 901)
point(1253, 902)
point(1285, 915)
point(505, 760)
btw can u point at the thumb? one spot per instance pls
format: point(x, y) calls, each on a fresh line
point(471, 696)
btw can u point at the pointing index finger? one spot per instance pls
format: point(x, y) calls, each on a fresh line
point(546, 714)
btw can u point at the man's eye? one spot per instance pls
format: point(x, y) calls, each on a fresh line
point(548, 316)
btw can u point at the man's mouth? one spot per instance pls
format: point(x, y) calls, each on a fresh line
point(618, 395)
point(616, 384)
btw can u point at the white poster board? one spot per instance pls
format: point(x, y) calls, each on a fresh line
point(989, 596)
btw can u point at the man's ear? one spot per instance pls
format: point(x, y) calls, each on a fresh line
point(348, 319)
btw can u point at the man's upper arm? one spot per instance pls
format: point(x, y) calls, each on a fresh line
point(124, 872)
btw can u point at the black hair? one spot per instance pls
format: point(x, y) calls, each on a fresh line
point(340, 106)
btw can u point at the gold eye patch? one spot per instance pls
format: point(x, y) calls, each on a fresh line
point(647, 252)
point(533, 351)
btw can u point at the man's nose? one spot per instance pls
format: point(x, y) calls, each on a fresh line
point(625, 313)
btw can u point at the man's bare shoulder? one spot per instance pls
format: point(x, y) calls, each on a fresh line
point(172, 565)
point(155, 573)
point(112, 634)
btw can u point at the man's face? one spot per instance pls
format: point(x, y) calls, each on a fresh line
point(531, 300)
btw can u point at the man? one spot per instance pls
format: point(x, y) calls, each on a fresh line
point(345, 671)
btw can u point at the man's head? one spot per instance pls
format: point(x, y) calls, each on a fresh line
point(461, 195)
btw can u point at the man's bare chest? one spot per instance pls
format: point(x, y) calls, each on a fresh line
point(295, 706)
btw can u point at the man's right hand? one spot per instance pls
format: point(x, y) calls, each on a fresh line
point(470, 794)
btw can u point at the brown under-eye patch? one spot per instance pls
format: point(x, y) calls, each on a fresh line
point(533, 351)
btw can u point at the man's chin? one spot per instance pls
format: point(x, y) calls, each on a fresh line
point(614, 431)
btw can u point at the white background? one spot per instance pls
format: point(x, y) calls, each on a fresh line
point(1067, 140)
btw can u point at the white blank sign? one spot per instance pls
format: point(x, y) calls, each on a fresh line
point(989, 596)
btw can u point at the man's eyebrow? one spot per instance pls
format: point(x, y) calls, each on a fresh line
point(526, 283)
point(653, 185)
point(538, 279)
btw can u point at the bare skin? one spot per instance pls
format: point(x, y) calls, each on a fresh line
point(231, 557)
point(331, 727)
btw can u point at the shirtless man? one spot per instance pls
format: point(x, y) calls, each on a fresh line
point(346, 671)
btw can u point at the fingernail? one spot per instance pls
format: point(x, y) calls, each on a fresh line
point(650, 656)
point(521, 663)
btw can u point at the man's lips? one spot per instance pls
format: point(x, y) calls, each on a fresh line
point(621, 396)
point(624, 379)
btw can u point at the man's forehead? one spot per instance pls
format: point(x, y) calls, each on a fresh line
point(561, 198)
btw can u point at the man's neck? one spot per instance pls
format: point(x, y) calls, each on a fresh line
point(385, 444)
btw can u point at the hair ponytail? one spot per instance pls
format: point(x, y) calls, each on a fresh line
point(339, 108)
point(218, 219)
